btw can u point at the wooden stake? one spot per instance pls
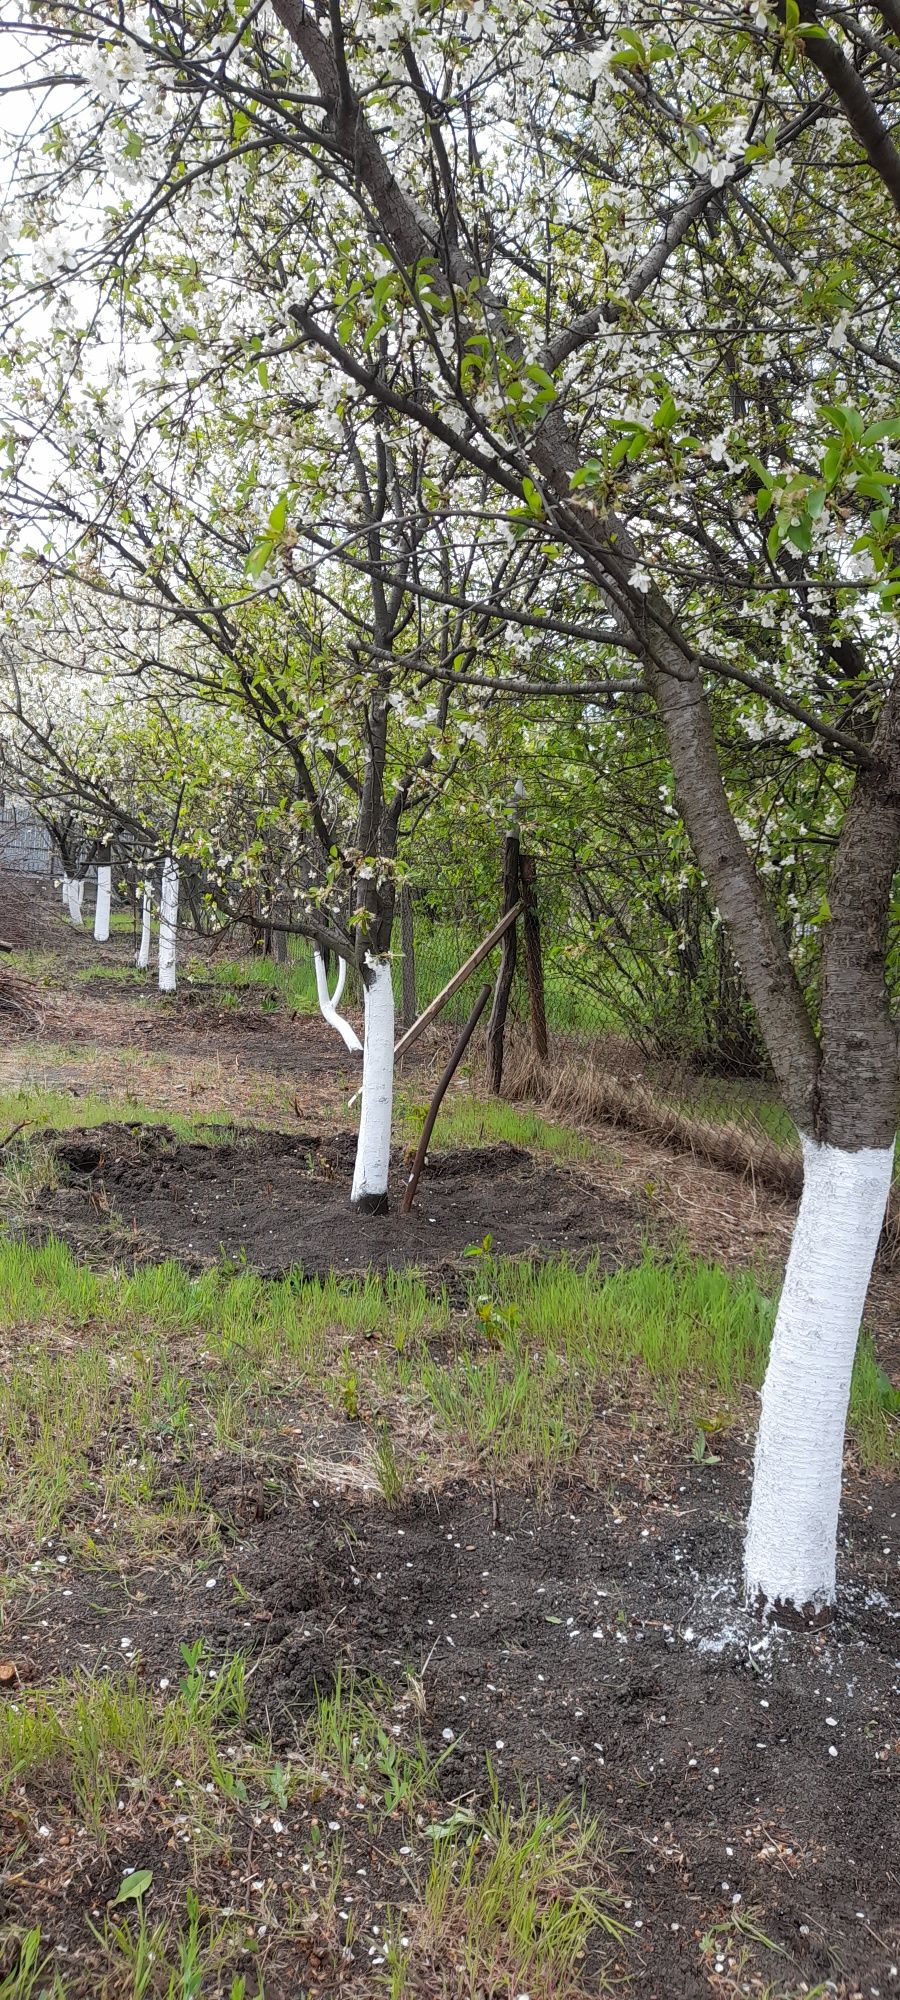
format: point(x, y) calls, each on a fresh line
point(459, 979)
point(435, 1105)
point(534, 966)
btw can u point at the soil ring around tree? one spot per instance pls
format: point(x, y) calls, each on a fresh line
point(280, 1202)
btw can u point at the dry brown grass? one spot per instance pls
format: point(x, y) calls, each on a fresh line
point(585, 1094)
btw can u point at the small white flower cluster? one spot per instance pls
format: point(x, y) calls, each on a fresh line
point(722, 163)
point(775, 173)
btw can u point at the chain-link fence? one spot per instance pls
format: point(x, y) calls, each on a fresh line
point(25, 845)
point(605, 1063)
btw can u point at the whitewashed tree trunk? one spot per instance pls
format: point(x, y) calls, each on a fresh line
point(104, 902)
point(76, 898)
point(65, 890)
point(792, 1530)
point(168, 925)
point(373, 1151)
point(143, 950)
point(328, 1005)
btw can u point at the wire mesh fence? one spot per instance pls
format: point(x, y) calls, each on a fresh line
point(25, 845)
point(598, 1067)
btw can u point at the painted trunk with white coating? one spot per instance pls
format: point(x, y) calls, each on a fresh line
point(65, 891)
point(104, 902)
point(373, 1151)
point(791, 1545)
point(168, 923)
point(143, 950)
point(328, 1003)
point(76, 898)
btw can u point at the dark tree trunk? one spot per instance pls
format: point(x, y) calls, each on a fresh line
point(859, 1085)
point(534, 965)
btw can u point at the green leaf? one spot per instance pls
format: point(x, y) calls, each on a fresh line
point(239, 125)
point(587, 474)
point(258, 557)
point(791, 15)
point(537, 374)
point(278, 516)
point(815, 502)
point(133, 1887)
point(889, 428)
point(533, 498)
point(263, 373)
point(831, 463)
point(666, 415)
point(811, 32)
point(847, 420)
point(773, 541)
point(800, 534)
point(872, 488)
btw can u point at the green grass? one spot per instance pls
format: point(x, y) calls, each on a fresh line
point(513, 1896)
point(45, 1109)
point(465, 1120)
point(354, 1741)
point(514, 1373)
point(294, 984)
point(101, 1738)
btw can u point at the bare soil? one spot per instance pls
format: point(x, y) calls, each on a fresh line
point(281, 1202)
point(588, 1646)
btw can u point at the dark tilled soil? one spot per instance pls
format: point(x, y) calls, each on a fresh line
point(589, 1645)
point(282, 1201)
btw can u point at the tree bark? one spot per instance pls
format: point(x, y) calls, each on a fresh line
point(534, 965)
point(168, 925)
point(143, 951)
point(497, 1023)
point(104, 902)
point(328, 1003)
point(373, 1150)
point(859, 1083)
point(790, 1554)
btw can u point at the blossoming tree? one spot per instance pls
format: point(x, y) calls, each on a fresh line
point(636, 273)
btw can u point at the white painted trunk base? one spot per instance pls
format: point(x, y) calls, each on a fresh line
point(104, 902)
point(168, 925)
point(65, 891)
point(75, 899)
point(791, 1548)
point(143, 951)
point(373, 1151)
point(328, 1005)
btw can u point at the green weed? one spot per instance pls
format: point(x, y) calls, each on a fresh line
point(107, 1738)
point(514, 1897)
point(355, 1739)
